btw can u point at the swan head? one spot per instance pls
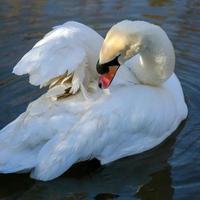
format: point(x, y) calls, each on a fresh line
point(122, 42)
point(127, 38)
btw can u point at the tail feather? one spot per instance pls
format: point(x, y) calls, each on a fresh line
point(15, 152)
point(13, 160)
point(20, 143)
point(22, 140)
point(58, 155)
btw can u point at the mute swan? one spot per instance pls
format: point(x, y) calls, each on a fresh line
point(142, 107)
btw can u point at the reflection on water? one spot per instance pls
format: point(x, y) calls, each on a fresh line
point(169, 172)
point(159, 187)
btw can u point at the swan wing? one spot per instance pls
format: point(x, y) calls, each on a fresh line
point(63, 56)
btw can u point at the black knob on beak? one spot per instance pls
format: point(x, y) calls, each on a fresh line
point(102, 69)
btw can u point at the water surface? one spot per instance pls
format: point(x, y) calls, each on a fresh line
point(171, 171)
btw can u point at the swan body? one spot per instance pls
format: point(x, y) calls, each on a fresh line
point(130, 117)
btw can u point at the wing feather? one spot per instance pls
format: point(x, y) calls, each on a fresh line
point(59, 57)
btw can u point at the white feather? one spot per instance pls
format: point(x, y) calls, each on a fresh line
point(67, 48)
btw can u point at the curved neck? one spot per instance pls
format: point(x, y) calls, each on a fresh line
point(156, 60)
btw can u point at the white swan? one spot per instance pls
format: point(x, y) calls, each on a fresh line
point(129, 118)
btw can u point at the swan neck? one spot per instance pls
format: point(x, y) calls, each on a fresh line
point(156, 60)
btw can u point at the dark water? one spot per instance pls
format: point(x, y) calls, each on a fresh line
point(171, 171)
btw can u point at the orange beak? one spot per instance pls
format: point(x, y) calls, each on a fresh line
point(106, 79)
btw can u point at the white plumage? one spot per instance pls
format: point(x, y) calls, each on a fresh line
point(69, 49)
point(51, 135)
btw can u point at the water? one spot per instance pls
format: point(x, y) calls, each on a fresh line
point(171, 171)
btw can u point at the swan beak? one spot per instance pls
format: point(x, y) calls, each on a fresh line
point(107, 72)
point(106, 79)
